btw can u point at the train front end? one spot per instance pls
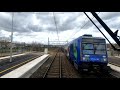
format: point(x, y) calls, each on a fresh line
point(93, 53)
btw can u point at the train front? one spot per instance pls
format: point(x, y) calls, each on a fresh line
point(94, 53)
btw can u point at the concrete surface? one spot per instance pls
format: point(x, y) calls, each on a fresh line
point(26, 70)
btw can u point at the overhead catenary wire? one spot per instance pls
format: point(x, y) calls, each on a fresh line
point(15, 28)
point(56, 27)
point(99, 29)
point(80, 28)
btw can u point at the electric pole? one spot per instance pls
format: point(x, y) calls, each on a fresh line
point(11, 39)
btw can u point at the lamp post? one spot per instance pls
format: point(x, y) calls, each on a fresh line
point(11, 39)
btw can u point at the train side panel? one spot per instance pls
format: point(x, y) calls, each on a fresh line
point(74, 52)
point(79, 51)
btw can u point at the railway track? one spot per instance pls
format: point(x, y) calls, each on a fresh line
point(6, 66)
point(98, 74)
point(55, 68)
point(58, 66)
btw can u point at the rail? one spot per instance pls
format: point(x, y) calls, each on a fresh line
point(52, 64)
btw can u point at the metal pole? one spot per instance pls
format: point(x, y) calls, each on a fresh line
point(101, 32)
point(11, 39)
point(48, 42)
point(106, 28)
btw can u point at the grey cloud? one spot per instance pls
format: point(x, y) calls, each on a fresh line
point(66, 25)
point(116, 26)
point(23, 22)
point(18, 22)
point(42, 13)
point(46, 19)
point(70, 23)
point(51, 28)
point(24, 34)
point(109, 15)
point(105, 16)
point(114, 23)
point(34, 28)
point(87, 24)
point(111, 23)
point(5, 22)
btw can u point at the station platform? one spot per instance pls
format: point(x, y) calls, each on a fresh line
point(28, 69)
point(13, 55)
point(116, 68)
point(114, 60)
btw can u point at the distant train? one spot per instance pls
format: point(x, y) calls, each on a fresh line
point(87, 53)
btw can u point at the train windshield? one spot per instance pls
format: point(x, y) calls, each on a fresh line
point(94, 46)
point(88, 48)
point(99, 49)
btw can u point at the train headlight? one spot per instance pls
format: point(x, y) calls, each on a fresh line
point(83, 58)
point(86, 57)
point(104, 59)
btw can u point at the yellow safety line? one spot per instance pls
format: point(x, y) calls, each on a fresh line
point(16, 65)
point(114, 64)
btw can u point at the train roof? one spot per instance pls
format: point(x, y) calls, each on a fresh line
point(86, 36)
point(89, 36)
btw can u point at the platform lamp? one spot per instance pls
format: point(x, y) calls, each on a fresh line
point(11, 38)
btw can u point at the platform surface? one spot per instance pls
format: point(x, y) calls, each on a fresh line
point(17, 73)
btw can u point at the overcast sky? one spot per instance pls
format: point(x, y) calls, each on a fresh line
point(38, 26)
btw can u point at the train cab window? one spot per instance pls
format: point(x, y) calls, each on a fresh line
point(99, 46)
point(88, 46)
point(100, 52)
point(100, 49)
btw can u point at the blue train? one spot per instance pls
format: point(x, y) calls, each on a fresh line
point(88, 53)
